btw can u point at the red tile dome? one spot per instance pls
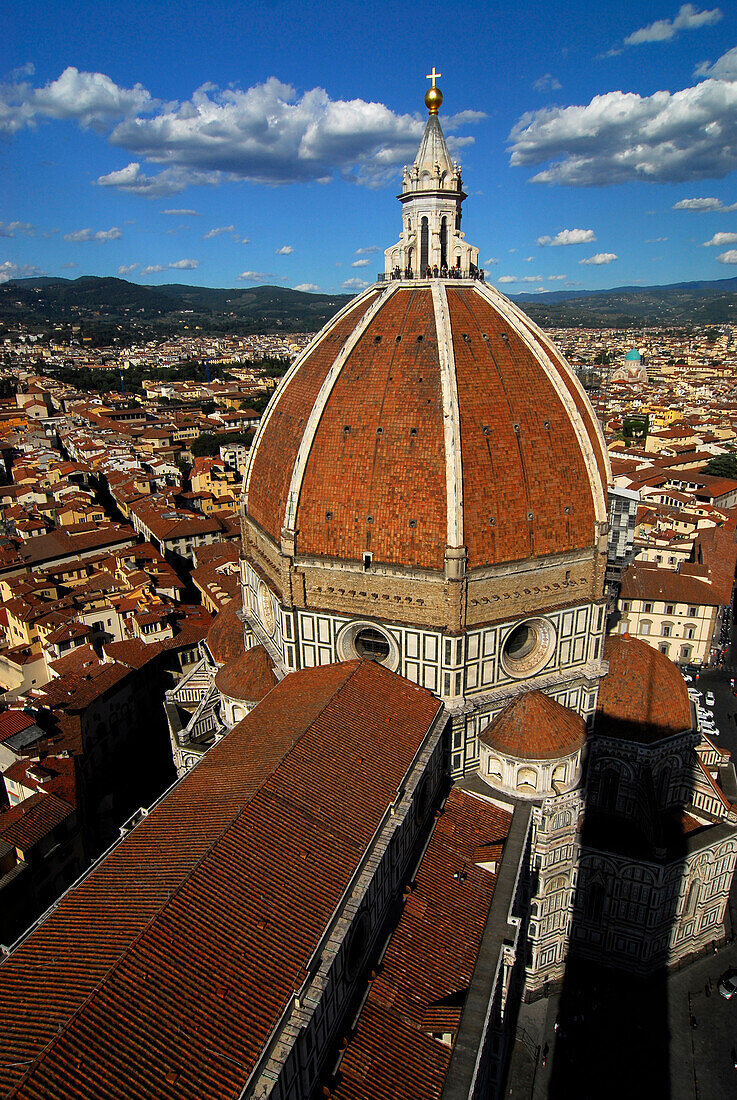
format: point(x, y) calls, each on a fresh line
point(225, 636)
point(644, 698)
point(430, 415)
point(248, 677)
point(535, 727)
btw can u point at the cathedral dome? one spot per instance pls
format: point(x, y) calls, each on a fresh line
point(428, 485)
point(430, 416)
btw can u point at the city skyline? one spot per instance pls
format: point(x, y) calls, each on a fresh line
point(267, 146)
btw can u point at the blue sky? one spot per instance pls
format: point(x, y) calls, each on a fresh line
point(231, 144)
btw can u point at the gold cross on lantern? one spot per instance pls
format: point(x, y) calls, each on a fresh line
point(433, 76)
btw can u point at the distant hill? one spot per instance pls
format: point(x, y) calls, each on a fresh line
point(101, 305)
point(108, 308)
point(678, 304)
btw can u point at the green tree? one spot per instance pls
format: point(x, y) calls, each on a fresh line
point(723, 466)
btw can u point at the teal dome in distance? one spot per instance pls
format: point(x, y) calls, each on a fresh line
point(633, 356)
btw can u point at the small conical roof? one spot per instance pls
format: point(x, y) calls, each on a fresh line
point(434, 151)
point(535, 727)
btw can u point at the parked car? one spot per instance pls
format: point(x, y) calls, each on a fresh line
point(728, 985)
point(710, 700)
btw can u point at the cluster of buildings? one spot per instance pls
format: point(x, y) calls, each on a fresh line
point(676, 590)
point(662, 350)
point(430, 747)
point(104, 510)
point(32, 351)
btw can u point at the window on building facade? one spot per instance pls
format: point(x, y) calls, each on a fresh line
point(686, 652)
point(645, 626)
point(689, 632)
point(648, 608)
point(693, 611)
point(526, 779)
point(664, 648)
point(665, 630)
point(670, 609)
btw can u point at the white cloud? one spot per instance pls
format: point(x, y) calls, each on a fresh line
point(569, 236)
point(689, 18)
point(621, 136)
point(355, 284)
point(82, 236)
point(704, 205)
point(267, 133)
point(546, 83)
point(366, 251)
point(183, 213)
point(507, 279)
point(28, 69)
point(556, 278)
point(125, 269)
point(724, 68)
point(601, 258)
point(361, 263)
point(169, 182)
point(721, 238)
point(285, 250)
point(155, 269)
point(729, 257)
point(255, 276)
point(10, 271)
point(530, 278)
point(71, 264)
point(15, 229)
point(655, 240)
point(491, 261)
point(218, 231)
point(308, 288)
point(90, 99)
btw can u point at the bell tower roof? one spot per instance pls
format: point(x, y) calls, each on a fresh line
point(433, 153)
point(433, 156)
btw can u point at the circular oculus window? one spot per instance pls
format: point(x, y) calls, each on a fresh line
point(370, 642)
point(528, 647)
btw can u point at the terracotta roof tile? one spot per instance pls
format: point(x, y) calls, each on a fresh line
point(33, 819)
point(272, 466)
point(644, 696)
point(429, 962)
point(225, 636)
point(535, 727)
point(12, 722)
point(247, 678)
point(159, 954)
